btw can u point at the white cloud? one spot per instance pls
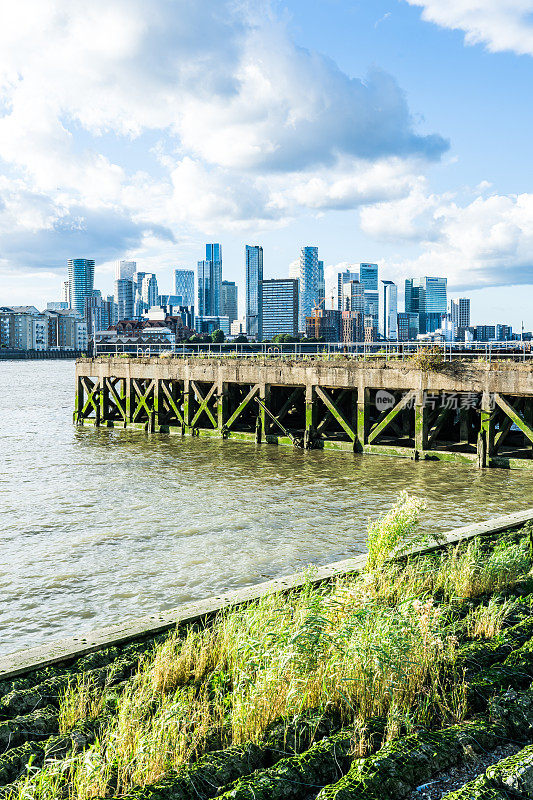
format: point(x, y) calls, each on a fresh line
point(499, 24)
point(249, 127)
point(484, 241)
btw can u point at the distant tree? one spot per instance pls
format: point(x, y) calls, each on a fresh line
point(195, 339)
point(241, 339)
point(217, 337)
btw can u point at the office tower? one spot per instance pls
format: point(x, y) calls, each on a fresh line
point(125, 270)
point(484, 333)
point(321, 286)
point(229, 301)
point(504, 333)
point(427, 297)
point(389, 310)
point(353, 297)
point(114, 309)
point(65, 293)
point(150, 293)
point(254, 291)
point(81, 282)
point(368, 275)
point(460, 312)
point(325, 324)
point(98, 314)
point(280, 307)
point(408, 326)
point(125, 298)
point(184, 285)
point(138, 305)
point(308, 288)
point(210, 281)
point(353, 315)
point(342, 278)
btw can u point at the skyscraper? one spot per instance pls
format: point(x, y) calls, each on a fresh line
point(460, 312)
point(368, 275)
point(229, 301)
point(125, 270)
point(321, 301)
point(81, 283)
point(184, 285)
point(427, 297)
point(150, 293)
point(389, 310)
point(254, 291)
point(125, 298)
point(138, 305)
point(342, 278)
point(308, 288)
point(65, 293)
point(210, 281)
point(280, 307)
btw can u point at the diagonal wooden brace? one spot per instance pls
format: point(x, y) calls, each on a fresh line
point(382, 424)
point(169, 400)
point(240, 408)
point(203, 401)
point(508, 409)
point(336, 413)
point(118, 402)
point(142, 399)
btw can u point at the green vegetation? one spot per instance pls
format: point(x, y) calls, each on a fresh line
point(316, 686)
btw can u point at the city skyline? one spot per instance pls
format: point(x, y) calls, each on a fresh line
point(396, 156)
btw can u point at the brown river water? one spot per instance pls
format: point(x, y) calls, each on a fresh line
point(101, 525)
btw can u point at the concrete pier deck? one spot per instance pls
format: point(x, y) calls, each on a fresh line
point(460, 411)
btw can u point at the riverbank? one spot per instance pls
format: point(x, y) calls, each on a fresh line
point(39, 355)
point(333, 686)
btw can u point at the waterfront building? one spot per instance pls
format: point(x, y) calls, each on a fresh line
point(342, 278)
point(208, 323)
point(353, 325)
point(504, 333)
point(124, 298)
point(184, 285)
point(98, 313)
point(389, 310)
point(254, 291)
point(484, 333)
point(54, 305)
point(125, 270)
point(408, 326)
point(280, 308)
point(149, 291)
point(81, 282)
point(324, 323)
point(210, 281)
point(308, 288)
point(460, 312)
point(229, 300)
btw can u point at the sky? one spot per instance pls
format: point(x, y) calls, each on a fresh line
point(396, 132)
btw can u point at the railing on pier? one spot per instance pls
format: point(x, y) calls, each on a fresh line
point(487, 351)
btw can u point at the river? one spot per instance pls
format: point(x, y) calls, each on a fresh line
point(101, 525)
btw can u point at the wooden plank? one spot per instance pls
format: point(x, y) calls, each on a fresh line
point(34, 658)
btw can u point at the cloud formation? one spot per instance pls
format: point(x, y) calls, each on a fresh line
point(250, 128)
point(484, 240)
point(498, 24)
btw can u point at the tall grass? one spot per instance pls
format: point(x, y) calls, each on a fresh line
point(367, 646)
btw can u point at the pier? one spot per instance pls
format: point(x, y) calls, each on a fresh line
point(474, 412)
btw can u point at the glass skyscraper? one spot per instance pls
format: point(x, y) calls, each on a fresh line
point(210, 282)
point(321, 285)
point(229, 301)
point(389, 310)
point(280, 307)
point(81, 283)
point(184, 285)
point(368, 275)
point(125, 298)
point(342, 278)
point(125, 270)
point(254, 291)
point(150, 292)
point(309, 283)
point(427, 297)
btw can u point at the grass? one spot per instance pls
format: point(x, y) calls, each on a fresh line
point(374, 645)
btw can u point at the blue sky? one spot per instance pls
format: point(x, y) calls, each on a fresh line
point(396, 132)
